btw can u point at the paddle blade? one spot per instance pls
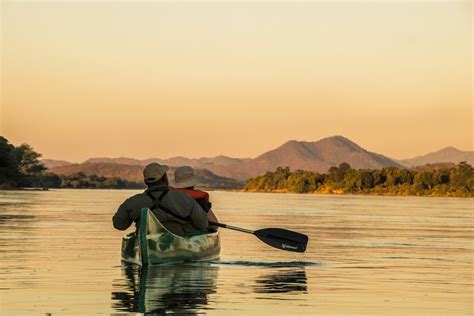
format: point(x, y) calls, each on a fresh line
point(283, 239)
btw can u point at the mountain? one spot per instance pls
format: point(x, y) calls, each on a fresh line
point(120, 161)
point(174, 161)
point(434, 166)
point(222, 161)
point(134, 173)
point(312, 156)
point(448, 154)
point(51, 163)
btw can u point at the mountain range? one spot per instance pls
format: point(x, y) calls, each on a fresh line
point(448, 154)
point(314, 156)
point(134, 173)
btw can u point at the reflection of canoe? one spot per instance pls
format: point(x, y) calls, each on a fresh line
point(158, 245)
point(183, 289)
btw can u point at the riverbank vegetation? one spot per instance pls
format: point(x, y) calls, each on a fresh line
point(454, 181)
point(20, 168)
point(82, 181)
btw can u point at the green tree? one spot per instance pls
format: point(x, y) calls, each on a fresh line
point(28, 163)
point(337, 174)
point(424, 180)
point(379, 177)
point(9, 174)
point(406, 176)
point(297, 183)
point(29, 166)
point(365, 180)
point(392, 177)
point(280, 177)
point(462, 178)
point(350, 181)
point(441, 176)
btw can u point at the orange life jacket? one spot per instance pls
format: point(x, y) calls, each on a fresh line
point(201, 197)
point(195, 194)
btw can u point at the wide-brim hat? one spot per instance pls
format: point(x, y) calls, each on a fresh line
point(154, 172)
point(184, 177)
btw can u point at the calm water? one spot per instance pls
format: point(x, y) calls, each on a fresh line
point(366, 256)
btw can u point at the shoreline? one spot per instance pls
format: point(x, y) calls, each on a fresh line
point(340, 192)
point(335, 192)
point(25, 189)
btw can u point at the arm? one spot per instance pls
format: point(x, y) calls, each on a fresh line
point(121, 219)
point(198, 216)
point(204, 204)
point(212, 218)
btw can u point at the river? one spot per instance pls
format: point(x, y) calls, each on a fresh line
point(366, 255)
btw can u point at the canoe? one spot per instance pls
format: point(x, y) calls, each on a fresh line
point(153, 244)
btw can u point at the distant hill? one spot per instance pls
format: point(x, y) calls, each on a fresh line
point(51, 163)
point(448, 154)
point(134, 173)
point(120, 161)
point(175, 161)
point(220, 165)
point(434, 166)
point(312, 156)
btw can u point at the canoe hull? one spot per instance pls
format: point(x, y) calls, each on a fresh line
point(158, 245)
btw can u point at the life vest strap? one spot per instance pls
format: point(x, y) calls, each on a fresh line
point(158, 206)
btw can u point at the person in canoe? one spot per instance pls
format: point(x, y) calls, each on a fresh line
point(177, 211)
point(185, 181)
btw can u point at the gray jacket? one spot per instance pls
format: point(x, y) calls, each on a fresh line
point(177, 202)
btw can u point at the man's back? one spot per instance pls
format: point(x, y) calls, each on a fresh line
point(185, 215)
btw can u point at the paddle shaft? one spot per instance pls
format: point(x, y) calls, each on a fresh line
point(248, 231)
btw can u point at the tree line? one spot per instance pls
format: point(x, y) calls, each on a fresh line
point(20, 168)
point(453, 181)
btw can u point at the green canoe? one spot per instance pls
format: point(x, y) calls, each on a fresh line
point(158, 245)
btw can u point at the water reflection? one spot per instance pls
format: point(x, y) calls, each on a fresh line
point(185, 288)
point(15, 214)
point(283, 281)
point(8, 218)
point(180, 288)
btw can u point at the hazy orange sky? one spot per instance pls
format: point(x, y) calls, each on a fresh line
point(161, 79)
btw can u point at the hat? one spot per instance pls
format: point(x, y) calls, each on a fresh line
point(154, 172)
point(184, 177)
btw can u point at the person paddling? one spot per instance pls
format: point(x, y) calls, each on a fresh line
point(176, 210)
point(185, 182)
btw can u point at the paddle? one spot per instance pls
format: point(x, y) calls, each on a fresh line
point(276, 237)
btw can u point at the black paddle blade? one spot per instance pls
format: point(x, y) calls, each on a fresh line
point(283, 239)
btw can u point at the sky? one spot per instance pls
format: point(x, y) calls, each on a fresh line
point(200, 79)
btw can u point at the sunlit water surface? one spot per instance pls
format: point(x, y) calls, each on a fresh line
point(366, 256)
